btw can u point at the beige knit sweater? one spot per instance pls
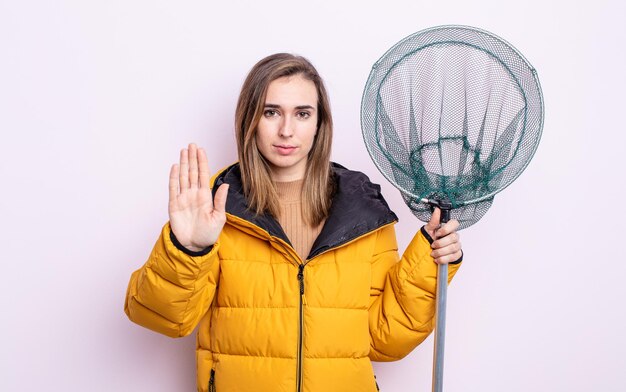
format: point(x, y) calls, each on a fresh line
point(299, 233)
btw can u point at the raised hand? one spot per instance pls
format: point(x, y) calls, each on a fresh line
point(446, 245)
point(196, 220)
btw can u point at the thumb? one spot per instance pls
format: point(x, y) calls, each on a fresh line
point(433, 223)
point(219, 203)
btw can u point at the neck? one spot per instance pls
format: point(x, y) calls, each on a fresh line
point(290, 173)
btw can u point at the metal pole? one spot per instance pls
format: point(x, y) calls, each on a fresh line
point(440, 309)
point(440, 326)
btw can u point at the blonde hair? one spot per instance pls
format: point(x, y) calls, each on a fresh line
point(258, 186)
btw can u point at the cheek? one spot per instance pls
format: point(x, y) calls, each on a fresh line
point(260, 143)
point(311, 133)
point(261, 136)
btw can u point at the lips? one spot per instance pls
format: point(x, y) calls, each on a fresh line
point(284, 149)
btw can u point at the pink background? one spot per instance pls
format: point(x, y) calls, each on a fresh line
point(97, 98)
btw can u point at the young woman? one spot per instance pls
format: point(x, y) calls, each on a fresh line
point(290, 267)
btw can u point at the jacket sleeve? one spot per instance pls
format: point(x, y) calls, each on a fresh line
point(173, 290)
point(402, 295)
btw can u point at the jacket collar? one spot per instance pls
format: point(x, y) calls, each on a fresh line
point(358, 208)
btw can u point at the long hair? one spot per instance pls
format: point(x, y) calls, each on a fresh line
point(258, 186)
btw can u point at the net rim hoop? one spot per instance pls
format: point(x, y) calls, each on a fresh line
point(475, 30)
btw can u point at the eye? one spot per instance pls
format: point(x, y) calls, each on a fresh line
point(270, 113)
point(304, 115)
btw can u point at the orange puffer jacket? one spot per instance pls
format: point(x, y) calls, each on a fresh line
point(270, 321)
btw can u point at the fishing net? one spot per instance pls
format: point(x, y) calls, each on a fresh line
point(452, 113)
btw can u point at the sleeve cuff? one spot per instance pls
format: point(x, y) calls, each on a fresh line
point(426, 235)
point(459, 260)
point(180, 247)
point(430, 241)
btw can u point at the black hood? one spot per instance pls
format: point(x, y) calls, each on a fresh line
point(358, 208)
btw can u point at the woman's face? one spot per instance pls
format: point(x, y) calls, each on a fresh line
point(287, 128)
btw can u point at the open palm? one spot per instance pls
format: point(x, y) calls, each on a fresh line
point(195, 218)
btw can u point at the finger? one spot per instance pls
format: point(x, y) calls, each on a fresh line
point(193, 166)
point(449, 239)
point(203, 166)
point(451, 258)
point(433, 223)
point(448, 250)
point(447, 228)
point(173, 185)
point(219, 204)
point(184, 170)
point(435, 217)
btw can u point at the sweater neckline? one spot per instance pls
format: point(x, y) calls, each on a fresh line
point(289, 191)
point(358, 208)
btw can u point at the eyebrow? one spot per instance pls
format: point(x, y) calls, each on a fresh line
point(299, 107)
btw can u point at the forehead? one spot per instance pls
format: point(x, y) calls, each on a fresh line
point(291, 91)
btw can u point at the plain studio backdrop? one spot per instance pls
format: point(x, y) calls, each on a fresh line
point(98, 97)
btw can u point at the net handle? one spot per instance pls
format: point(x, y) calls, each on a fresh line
point(440, 307)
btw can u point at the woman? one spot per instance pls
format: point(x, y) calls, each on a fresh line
point(291, 268)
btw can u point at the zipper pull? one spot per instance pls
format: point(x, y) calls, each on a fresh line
point(301, 280)
point(212, 381)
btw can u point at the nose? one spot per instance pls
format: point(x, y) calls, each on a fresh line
point(286, 127)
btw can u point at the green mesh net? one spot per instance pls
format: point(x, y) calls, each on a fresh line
point(452, 113)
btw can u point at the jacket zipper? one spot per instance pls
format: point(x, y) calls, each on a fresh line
point(300, 328)
point(303, 302)
point(212, 381)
